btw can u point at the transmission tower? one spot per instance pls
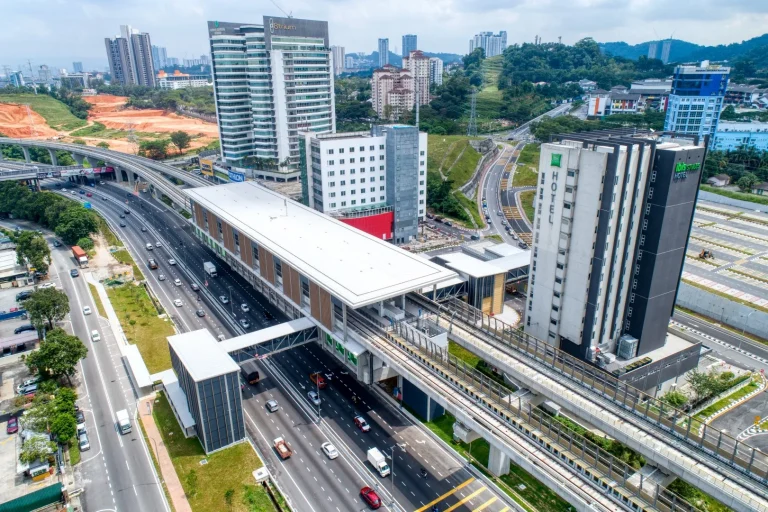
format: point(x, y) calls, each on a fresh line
point(472, 126)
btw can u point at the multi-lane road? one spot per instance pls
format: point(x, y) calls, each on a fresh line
point(310, 480)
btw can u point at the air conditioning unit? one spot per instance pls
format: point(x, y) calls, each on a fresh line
point(609, 358)
point(627, 347)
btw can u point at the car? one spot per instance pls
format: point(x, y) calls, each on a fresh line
point(244, 308)
point(23, 328)
point(161, 277)
point(362, 424)
point(72, 192)
point(271, 405)
point(503, 223)
point(122, 216)
point(514, 236)
point(150, 247)
point(158, 244)
point(370, 497)
point(28, 389)
point(177, 303)
point(13, 425)
point(101, 183)
point(177, 282)
point(82, 441)
point(314, 397)
point(103, 198)
point(223, 299)
point(152, 264)
point(95, 336)
point(171, 261)
point(122, 224)
point(80, 418)
point(86, 310)
point(28, 382)
point(522, 245)
point(22, 296)
point(56, 243)
point(88, 195)
point(195, 287)
point(329, 450)
point(143, 229)
point(499, 213)
point(200, 313)
point(475, 237)
point(74, 272)
point(47, 285)
point(245, 324)
point(318, 379)
point(127, 211)
point(82, 192)
point(448, 223)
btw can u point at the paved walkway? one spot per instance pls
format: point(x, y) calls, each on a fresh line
point(168, 472)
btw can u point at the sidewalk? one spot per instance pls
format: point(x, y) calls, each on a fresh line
point(167, 471)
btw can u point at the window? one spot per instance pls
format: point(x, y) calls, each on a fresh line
point(351, 171)
point(351, 182)
point(421, 173)
point(342, 172)
point(332, 184)
point(381, 188)
point(371, 158)
point(421, 192)
point(341, 161)
point(331, 173)
point(372, 169)
point(371, 148)
point(343, 182)
point(421, 153)
point(331, 162)
point(341, 150)
point(381, 157)
point(332, 194)
point(351, 160)
point(255, 251)
point(421, 201)
point(220, 231)
point(304, 290)
point(381, 146)
point(352, 192)
point(381, 198)
point(362, 201)
point(381, 178)
point(421, 182)
point(330, 151)
point(354, 202)
point(362, 148)
point(351, 150)
point(362, 180)
point(343, 203)
point(421, 163)
point(333, 205)
point(372, 189)
point(278, 270)
point(236, 236)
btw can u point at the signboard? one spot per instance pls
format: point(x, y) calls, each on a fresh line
point(556, 158)
point(236, 176)
point(682, 169)
point(292, 27)
point(52, 174)
point(206, 166)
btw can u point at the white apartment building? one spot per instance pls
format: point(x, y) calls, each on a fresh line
point(179, 80)
point(369, 173)
point(272, 80)
point(338, 59)
point(697, 97)
point(436, 71)
point(418, 65)
point(392, 92)
point(492, 44)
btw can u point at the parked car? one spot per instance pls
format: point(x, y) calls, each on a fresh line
point(21, 296)
point(30, 388)
point(83, 442)
point(271, 405)
point(362, 424)
point(28, 382)
point(80, 418)
point(23, 328)
point(370, 497)
point(13, 425)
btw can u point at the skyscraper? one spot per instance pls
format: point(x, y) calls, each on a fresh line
point(666, 47)
point(436, 71)
point(272, 80)
point(613, 215)
point(696, 99)
point(77, 67)
point(142, 56)
point(653, 49)
point(492, 44)
point(338, 59)
point(383, 52)
point(119, 56)
point(159, 57)
point(418, 66)
point(130, 57)
point(409, 44)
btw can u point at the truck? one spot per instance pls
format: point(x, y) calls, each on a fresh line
point(123, 421)
point(282, 448)
point(377, 460)
point(209, 268)
point(250, 372)
point(80, 256)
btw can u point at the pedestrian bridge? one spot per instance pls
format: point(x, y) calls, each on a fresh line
point(271, 340)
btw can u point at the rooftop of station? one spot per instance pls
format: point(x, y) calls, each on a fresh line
point(202, 355)
point(353, 266)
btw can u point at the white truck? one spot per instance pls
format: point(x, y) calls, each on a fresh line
point(209, 268)
point(123, 421)
point(377, 460)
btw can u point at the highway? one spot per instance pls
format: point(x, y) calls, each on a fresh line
point(337, 482)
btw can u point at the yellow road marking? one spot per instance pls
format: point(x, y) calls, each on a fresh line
point(464, 500)
point(504, 509)
point(486, 504)
point(449, 493)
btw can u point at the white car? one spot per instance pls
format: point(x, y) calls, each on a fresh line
point(149, 247)
point(171, 261)
point(86, 310)
point(47, 285)
point(178, 303)
point(329, 450)
point(314, 397)
point(177, 282)
point(161, 277)
point(95, 336)
point(244, 308)
point(158, 244)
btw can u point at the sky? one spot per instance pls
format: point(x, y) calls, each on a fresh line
point(57, 32)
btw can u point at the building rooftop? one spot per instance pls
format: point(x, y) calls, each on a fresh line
point(466, 264)
point(355, 267)
point(201, 355)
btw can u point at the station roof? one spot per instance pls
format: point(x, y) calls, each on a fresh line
point(201, 355)
point(353, 266)
point(469, 265)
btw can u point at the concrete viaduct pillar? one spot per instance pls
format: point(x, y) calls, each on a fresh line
point(52, 153)
point(92, 161)
point(26, 154)
point(131, 178)
point(118, 174)
point(78, 159)
point(498, 462)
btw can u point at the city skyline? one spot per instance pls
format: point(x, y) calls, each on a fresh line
point(44, 27)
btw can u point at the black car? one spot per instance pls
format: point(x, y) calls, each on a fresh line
point(74, 272)
point(122, 224)
point(23, 296)
point(56, 243)
point(127, 212)
point(200, 313)
point(122, 216)
point(23, 328)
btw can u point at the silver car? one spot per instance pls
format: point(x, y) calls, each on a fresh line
point(314, 397)
point(272, 405)
point(329, 450)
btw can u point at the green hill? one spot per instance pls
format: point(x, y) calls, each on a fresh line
point(55, 113)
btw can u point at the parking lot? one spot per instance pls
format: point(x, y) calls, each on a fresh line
point(736, 258)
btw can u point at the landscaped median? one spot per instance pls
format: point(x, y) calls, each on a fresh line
point(726, 403)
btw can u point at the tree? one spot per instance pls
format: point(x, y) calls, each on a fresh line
point(103, 144)
point(675, 399)
point(700, 384)
point(47, 305)
point(63, 426)
point(181, 140)
point(747, 182)
point(58, 355)
point(33, 248)
point(80, 141)
point(75, 223)
point(85, 243)
point(36, 448)
point(154, 149)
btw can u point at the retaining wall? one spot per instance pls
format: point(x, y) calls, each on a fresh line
point(723, 310)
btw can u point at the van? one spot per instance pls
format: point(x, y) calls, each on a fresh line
point(150, 247)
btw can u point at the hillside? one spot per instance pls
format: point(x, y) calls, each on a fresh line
point(55, 114)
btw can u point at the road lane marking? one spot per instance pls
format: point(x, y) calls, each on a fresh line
point(486, 504)
point(464, 500)
point(449, 493)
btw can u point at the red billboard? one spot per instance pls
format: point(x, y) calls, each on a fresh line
point(378, 225)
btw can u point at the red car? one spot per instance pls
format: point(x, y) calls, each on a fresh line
point(370, 497)
point(362, 424)
point(88, 195)
point(13, 425)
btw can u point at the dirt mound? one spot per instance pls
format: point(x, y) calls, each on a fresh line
point(105, 103)
point(19, 121)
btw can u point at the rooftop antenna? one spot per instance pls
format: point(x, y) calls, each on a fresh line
point(287, 14)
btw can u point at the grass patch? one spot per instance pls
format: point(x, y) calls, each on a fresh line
point(97, 301)
point(226, 469)
point(125, 258)
point(696, 497)
point(55, 113)
point(733, 397)
point(156, 465)
point(185, 214)
point(142, 325)
point(526, 201)
point(472, 207)
point(107, 233)
point(89, 131)
point(495, 237)
point(440, 147)
point(74, 452)
point(741, 196)
point(460, 162)
point(476, 362)
point(527, 172)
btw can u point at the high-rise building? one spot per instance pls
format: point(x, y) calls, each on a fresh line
point(172, 61)
point(44, 73)
point(666, 47)
point(696, 99)
point(16, 79)
point(77, 67)
point(338, 59)
point(159, 57)
point(375, 181)
point(392, 92)
point(436, 71)
point(653, 49)
point(492, 44)
point(130, 57)
point(409, 44)
point(419, 67)
point(272, 80)
point(383, 52)
point(613, 215)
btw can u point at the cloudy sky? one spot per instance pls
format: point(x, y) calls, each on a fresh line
point(56, 32)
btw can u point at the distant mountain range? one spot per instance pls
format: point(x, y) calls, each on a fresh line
point(755, 49)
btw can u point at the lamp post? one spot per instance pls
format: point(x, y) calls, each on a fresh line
point(744, 328)
point(231, 304)
point(317, 390)
point(392, 469)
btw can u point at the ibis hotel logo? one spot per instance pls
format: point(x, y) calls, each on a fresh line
point(279, 26)
point(682, 169)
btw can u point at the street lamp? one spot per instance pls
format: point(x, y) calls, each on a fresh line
point(392, 469)
point(744, 328)
point(317, 390)
point(231, 304)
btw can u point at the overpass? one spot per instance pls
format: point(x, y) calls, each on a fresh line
point(133, 166)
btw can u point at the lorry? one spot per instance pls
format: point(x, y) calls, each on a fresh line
point(377, 460)
point(123, 421)
point(209, 268)
point(80, 256)
point(282, 448)
point(250, 372)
